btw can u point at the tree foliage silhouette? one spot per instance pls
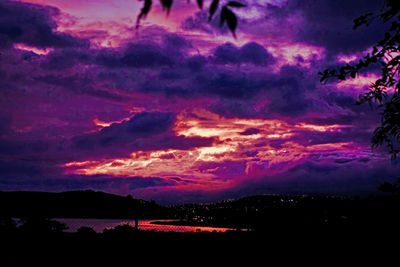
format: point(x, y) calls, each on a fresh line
point(384, 93)
point(393, 188)
point(226, 14)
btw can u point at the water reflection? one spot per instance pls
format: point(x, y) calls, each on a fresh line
point(100, 224)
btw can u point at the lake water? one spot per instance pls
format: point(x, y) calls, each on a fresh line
point(100, 224)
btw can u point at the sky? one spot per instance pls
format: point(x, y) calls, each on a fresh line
point(180, 111)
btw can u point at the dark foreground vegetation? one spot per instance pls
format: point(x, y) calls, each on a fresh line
point(288, 225)
point(43, 243)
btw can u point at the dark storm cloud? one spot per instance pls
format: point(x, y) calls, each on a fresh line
point(173, 50)
point(18, 168)
point(287, 93)
point(32, 25)
point(250, 131)
point(18, 146)
point(231, 85)
point(175, 73)
point(355, 134)
point(144, 131)
point(62, 59)
point(286, 90)
point(330, 24)
point(146, 54)
point(81, 86)
point(237, 109)
point(249, 53)
point(134, 55)
point(175, 42)
point(196, 63)
point(141, 125)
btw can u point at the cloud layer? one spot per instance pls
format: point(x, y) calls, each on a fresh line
point(181, 111)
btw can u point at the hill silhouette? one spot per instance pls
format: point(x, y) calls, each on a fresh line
point(265, 212)
point(77, 204)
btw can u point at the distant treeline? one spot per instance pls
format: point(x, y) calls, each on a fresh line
point(77, 204)
point(255, 212)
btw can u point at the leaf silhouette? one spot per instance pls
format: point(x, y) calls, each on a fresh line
point(213, 8)
point(200, 3)
point(235, 4)
point(143, 12)
point(223, 17)
point(230, 18)
point(375, 50)
point(166, 4)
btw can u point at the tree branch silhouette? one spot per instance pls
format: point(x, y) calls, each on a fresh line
point(384, 93)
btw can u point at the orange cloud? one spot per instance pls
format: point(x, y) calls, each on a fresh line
point(233, 146)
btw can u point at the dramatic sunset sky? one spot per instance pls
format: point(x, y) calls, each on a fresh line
point(179, 110)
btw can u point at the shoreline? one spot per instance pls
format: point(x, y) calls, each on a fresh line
point(195, 224)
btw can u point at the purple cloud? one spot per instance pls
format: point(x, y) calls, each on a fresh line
point(330, 24)
point(33, 25)
point(88, 103)
point(143, 132)
point(249, 53)
point(250, 131)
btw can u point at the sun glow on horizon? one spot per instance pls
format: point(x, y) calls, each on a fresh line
point(253, 147)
